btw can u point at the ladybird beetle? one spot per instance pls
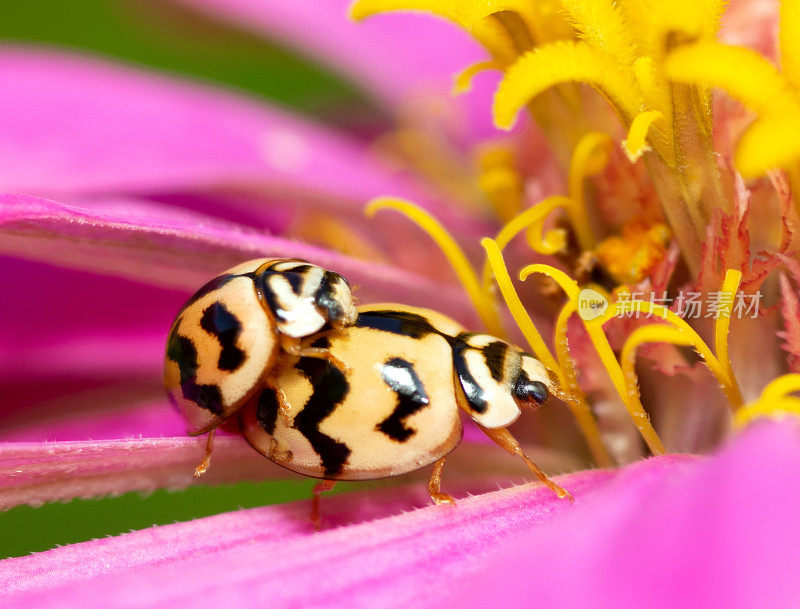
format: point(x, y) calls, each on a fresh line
point(388, 402)
point(229, 336)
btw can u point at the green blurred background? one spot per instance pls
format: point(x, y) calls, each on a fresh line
point(169, 38)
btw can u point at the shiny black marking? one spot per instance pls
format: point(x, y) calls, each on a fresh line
point(330, 388)
point(182, 351)
point(397, 322)
point(296, 277)
point(214, 284)
point(495, 356)
point(526, 389)
point(324, 296)
point(223, 324)
point(472, 390)
point(403, 380)
point(267, 410)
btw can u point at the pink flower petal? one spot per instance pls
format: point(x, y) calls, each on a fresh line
point(35, 472)
point(721, 533)
point(166, 251)
point(395, 56)
point(73, 126)
point(668, 532)
point(270, 554)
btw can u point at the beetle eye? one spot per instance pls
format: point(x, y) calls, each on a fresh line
point(528, 393)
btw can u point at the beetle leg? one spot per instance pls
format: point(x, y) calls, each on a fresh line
point(201, 469)
point(322, 486)
point(296, 347)
point(435, 483)
point(503, 438)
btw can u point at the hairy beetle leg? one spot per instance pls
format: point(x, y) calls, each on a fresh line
point(203, 466)
point(295, 347)
point(503, 438)
point(323, 486)
point(435, 483)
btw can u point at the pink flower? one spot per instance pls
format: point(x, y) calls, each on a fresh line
point(125, 191)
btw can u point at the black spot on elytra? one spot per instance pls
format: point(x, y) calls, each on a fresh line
point(330, 387)
point(216, 283)
point(220, 322)
point(411, 396)
point(182, 351)
point(397, 322)
point(495, 356)
point(267, 410)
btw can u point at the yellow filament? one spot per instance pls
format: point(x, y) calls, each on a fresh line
point(516, 307)
point(774, 401)
point(482, 301)
point(561, 62)
point(722, 326)
point(566, 376)
point(597, 336)
point(636, 143)
point(463, 80)
point(534, 217)
point(589, 158)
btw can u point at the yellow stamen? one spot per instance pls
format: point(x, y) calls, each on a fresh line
point(636, 143)
point(722, 326)
point(566, 376)
point(562, 62)
point(481, 300)
point(741, 72)
point(606, 353)
point(589, 158)
point(534, 217)
point(790, 41)
point(601, 24)
point(463, 80)
point(500, 180)
point(774, 401)
point(769, 143)
point(482, 18)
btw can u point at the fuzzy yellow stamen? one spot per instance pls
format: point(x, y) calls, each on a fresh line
point(597, 336)
point(563, 62)
point(790, 41)
point(600, 24)
point(742, 72)
point(775, 401)
point(636, 143)
point(481, 300)
point(566, 377)
point(463, 80)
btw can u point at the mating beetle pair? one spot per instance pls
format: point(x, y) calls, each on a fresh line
point(339, 393)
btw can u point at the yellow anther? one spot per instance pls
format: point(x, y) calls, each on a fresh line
point(636, 143)
point(630, 257)
point(481, 300)
point(775, 401)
